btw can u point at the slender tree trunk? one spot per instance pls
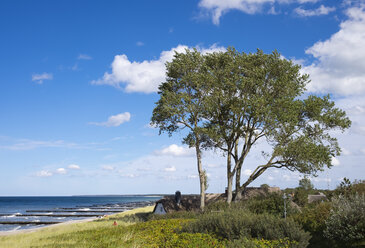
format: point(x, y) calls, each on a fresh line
point(238, 195)
point(201, 176)
point(229, 179)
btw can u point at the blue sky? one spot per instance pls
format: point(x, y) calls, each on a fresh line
point(78, 84)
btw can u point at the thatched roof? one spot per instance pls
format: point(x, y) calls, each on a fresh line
point(315, 198)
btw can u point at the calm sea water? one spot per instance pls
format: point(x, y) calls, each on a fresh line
point(12, 206)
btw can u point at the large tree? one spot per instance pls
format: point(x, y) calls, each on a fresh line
point(261, 97)
point(231, 100)
point(181, 105)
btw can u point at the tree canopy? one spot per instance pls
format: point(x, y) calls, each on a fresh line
point(231, 100)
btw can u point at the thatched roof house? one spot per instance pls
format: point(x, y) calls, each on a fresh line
point(315, 198)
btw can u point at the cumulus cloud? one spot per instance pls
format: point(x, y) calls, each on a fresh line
point(321, 10)
point(335, 161)
point(143, 76)
point(84, 57)
point(74, 167)
point(38, 78)
point(217, 7)
point(61, 171)
point(44, 173)
point(339, 67)
point(175, 150)
point(114, 120)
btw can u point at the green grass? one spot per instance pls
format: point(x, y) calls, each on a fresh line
point(98, 233)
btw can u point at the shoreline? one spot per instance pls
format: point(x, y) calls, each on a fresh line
point(31, 230)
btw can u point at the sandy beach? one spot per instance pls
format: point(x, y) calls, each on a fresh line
point(14, 232)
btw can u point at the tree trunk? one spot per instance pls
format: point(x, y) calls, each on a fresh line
point(238, 195)
point(238, 166)
point(201, 176)
point(229, 179)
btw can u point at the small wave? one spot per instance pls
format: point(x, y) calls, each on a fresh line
point(10, 216)
point(17, 228)
point(61, 218)
point(86, 209)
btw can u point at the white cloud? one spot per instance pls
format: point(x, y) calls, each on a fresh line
point(345, 152)
point(216, 8)
point(25, 144)
point(84, 57)
point(108, 167)
point(170, 169)
point(340, 66)
point(38, 78)
point(321, 10)
point(74, 167)
point(247, 172)
point(308, 1)
point(130, 175)
point(140, 43)
point(192, 176)
point(44, 173)
point(114, 120)
point(61, 171)
point(143, 76)
point(175, 150)
point(335, 161)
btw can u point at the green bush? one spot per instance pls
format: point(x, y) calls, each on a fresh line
point(346, 223)
point(272, 204)
point(259, 243)
point(163, 234)
point(313, 220)
point(175, 215)
point(237, 224)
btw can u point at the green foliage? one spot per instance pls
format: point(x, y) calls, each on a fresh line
point(236, 224)
point(271, 204)
point(348, 188)
point(260, 243)
point(162, 233)
point(305, 183)
point(313, 220)
point(346, 223)
point(265, 187)
point(301, 196)
point(175, 215)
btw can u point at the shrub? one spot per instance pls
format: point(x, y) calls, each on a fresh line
point(238, 224)
point(346, 223)
point(175, 215)
point(260, 243)
point(272, 204)
point(162, 233)
point(313, 220)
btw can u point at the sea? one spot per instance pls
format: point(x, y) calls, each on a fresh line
point(27, 212)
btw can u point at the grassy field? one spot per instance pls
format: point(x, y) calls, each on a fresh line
point(98, 233)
